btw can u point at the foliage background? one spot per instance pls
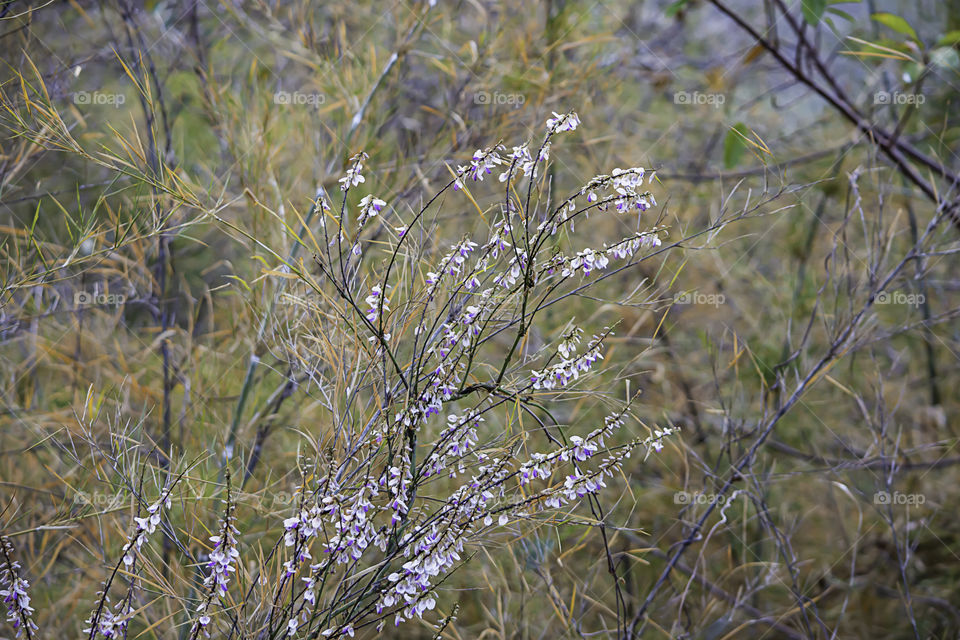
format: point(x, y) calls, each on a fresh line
point(658, 84)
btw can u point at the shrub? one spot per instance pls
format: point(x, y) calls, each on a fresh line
point(412, 348)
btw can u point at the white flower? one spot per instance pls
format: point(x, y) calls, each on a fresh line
point(376, 303)
point(559, 122)
point(353, 177)
point(369, 207)
point(481, 164)
point(14, 593)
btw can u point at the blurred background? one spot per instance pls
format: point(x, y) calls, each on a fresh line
point(151, 150)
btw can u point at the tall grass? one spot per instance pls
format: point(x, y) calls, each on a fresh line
point(498, 387)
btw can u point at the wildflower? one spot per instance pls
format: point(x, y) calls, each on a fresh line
point(221, 563)
point(570, 342)
point(481, 164)
point(369, 207)
point(559, 123)
point(514, 270)
point(655, 441)
point(14, 592)
point(109, 624)
point(145, 528)
point(544, 154)
point(585, 262)
point(353, 177)
point(379, 499)
point(521, 161)
point(376, 302)
point(102, 619)
point(567, 370)
point(321, 206)
point(321, 203)
point(631, 245)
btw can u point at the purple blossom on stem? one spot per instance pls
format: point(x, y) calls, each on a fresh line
point(222, 562)
point(15, 593)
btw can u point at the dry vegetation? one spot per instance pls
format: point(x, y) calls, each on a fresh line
point(180, 318)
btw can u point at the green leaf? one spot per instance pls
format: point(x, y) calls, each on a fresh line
point(734, 145)
point(896, 23)
point(675, 8)
point(813, 10)
point(949, 39)
point(843, 14)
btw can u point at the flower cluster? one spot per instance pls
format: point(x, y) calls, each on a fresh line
point(376, 303)
point(453, 262)
point(432, 550)
point(454, 443)
point(516, 267)
point(103, 619)
point(497, 244)
point(521, 160)
point(578, 484)
point(540, 465)
point(382, 509)
point(586, 261)
point(626, 185)
point(145, 527)
point(107, 622)
point(570, 341)
point(568, 369)
point(222, 562)
point(580, 449)
point(482, 163)
point(14, 592)
point(566, 122)
point(397, 479)
point(344, 518)
point(621, 189)
point(630, 246)
point(353, 176)
point(417, 467)
point(369, 208)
